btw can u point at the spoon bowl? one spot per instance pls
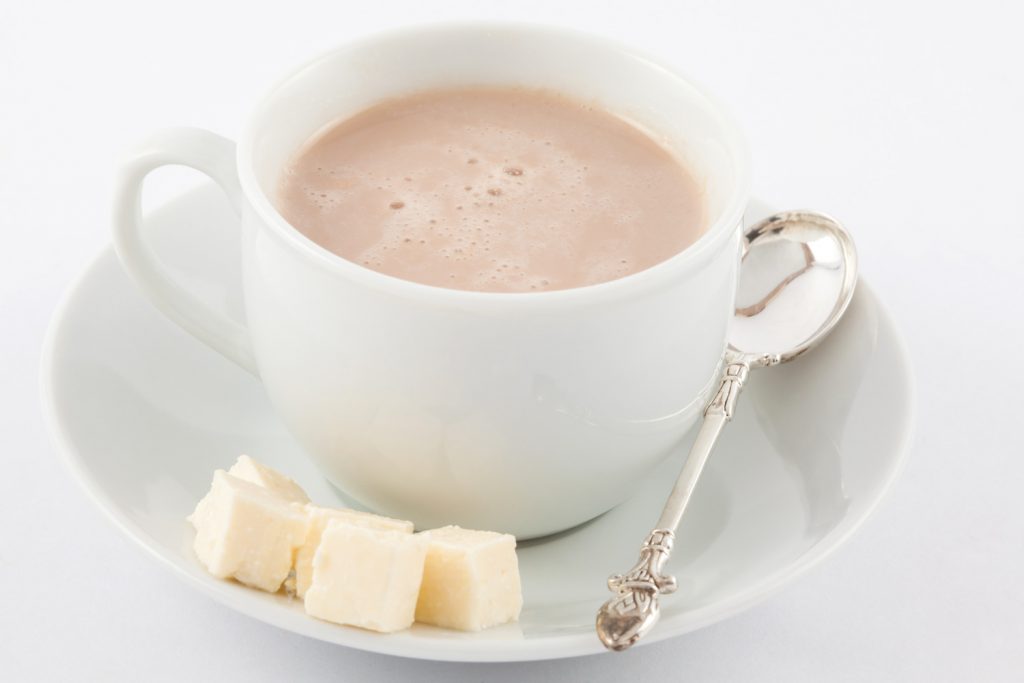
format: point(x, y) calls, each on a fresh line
point(798, 276)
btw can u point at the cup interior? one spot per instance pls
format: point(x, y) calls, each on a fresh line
point(341, 83)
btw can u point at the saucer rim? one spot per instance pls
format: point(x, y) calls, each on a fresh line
point(524, 649)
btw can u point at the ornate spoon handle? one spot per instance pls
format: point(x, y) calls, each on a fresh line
point(634, 610)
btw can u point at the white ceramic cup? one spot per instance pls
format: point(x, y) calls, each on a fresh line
point(527, 413)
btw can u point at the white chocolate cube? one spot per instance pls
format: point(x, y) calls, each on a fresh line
point(246, 532)
point(470, 579)
point(366, 577)
point(318, 518)
point(247, 469)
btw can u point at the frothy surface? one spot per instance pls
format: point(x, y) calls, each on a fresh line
point(492, 189)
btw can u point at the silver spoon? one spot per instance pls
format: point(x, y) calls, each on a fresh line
point(798, 275)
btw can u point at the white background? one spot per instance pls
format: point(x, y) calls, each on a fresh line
point(905, 120)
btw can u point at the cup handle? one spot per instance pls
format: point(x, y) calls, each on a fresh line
point(210, 154)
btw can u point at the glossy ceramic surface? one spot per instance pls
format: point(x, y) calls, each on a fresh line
point(143, 413)
point(526, 413)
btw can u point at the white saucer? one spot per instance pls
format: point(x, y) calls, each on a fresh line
point(143, 414)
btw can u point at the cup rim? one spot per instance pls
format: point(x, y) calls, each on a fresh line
point(687, 260)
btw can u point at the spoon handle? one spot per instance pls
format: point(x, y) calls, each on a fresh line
point(634, 609)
